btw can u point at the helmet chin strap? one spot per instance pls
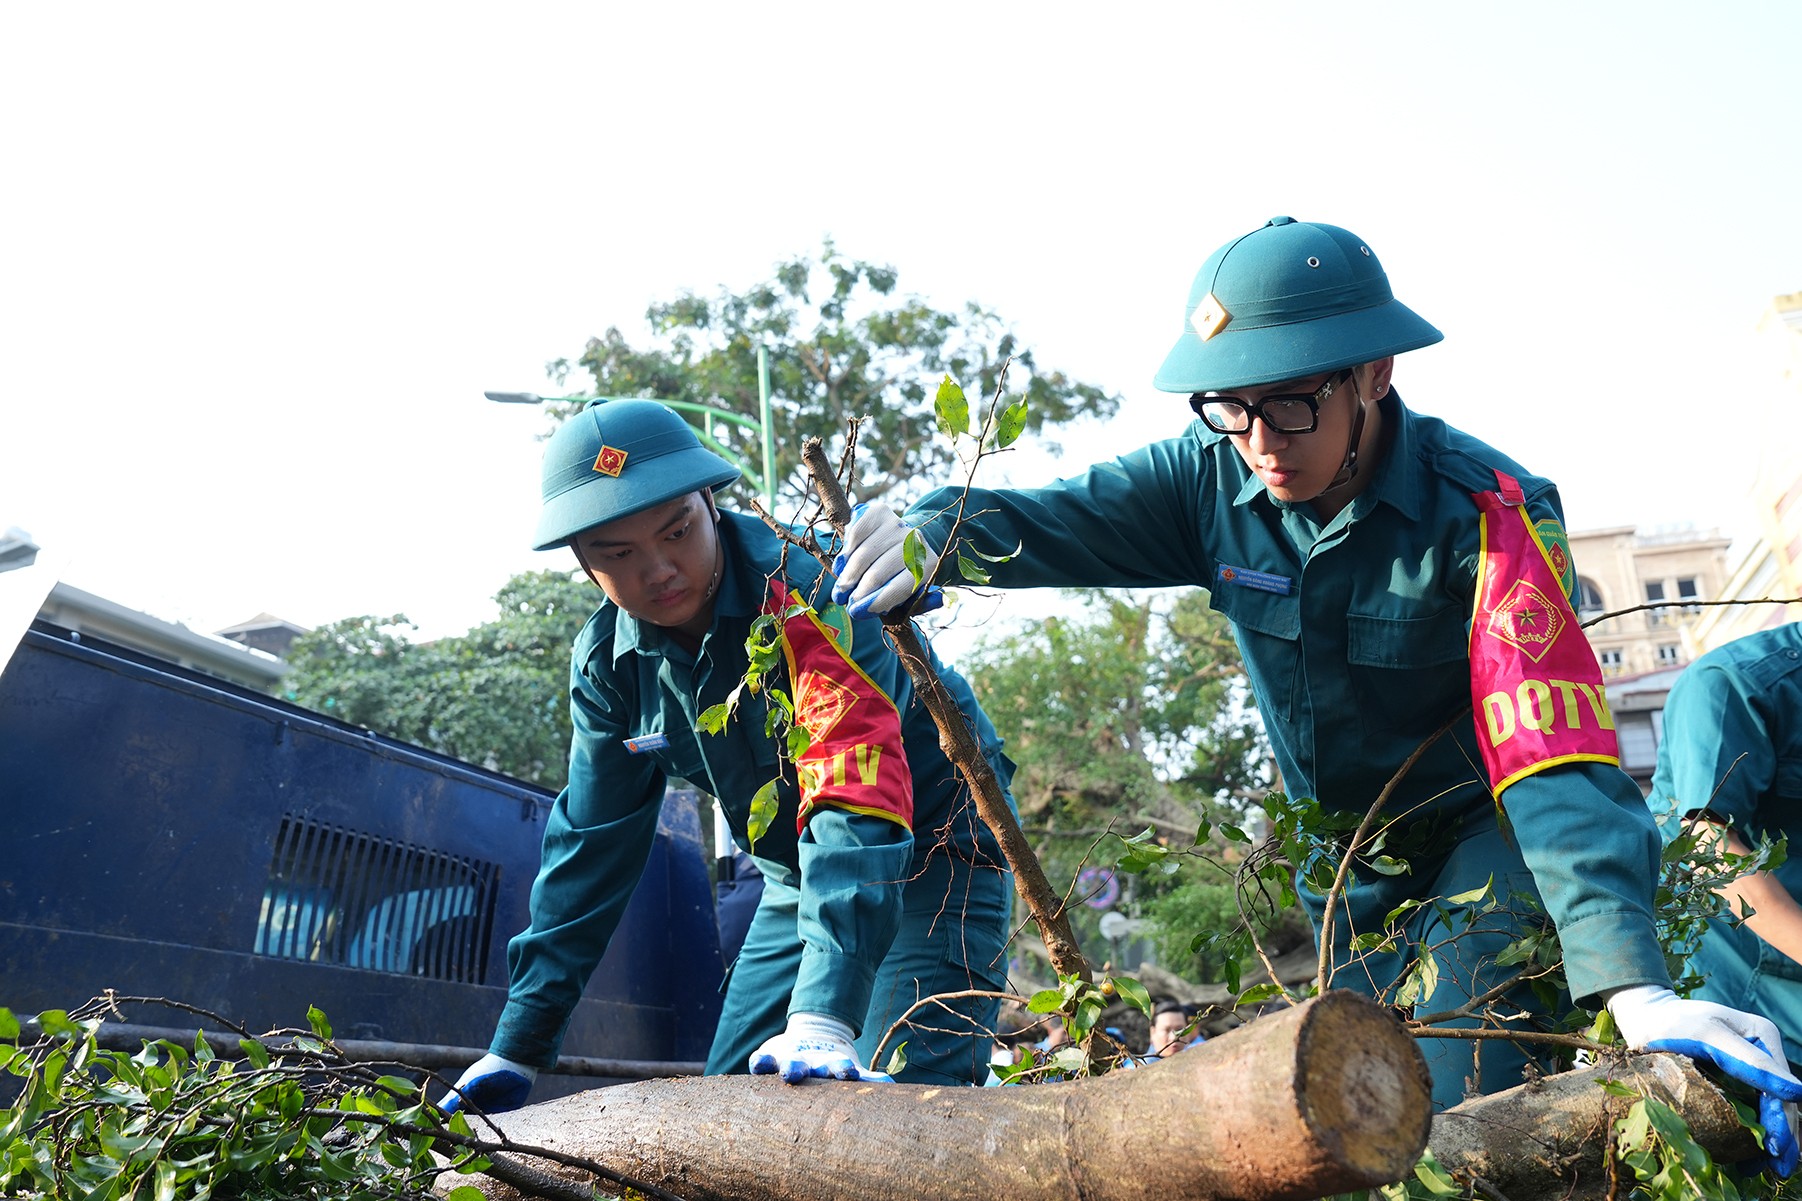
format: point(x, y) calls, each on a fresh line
point(719, 564)
point(1348, 470)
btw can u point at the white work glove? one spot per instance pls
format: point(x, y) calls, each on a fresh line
point(1745, 1046)
point(872, 570)
point(492, 1085)
point(813, 1045)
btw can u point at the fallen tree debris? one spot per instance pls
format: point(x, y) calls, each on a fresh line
point(1327, 1097)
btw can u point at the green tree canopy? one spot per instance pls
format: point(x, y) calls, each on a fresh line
point(841, 344)
point(497, 696)
point(1132, 715)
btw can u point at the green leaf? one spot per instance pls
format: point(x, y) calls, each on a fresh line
point(1419, 983)
point(896, 1060)
point(400, 1086)
point(1014, 553)
point(56, 1022)
point(713, 718)
point(763, 812)
point(1088, 1012)
point(9, 1025)
point(913, 553)
point(952, 408)
point(1434, 1177)
point(1389, 866)
point(1631, 1131)
point(971, 570)
point(255, 1052)
point(1012, 423)
point(1474, 895)
point(1134, 993)
point(321, 1027)
point(1048, 1000)
point(1258, 992)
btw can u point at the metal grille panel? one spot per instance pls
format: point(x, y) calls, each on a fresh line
point(358, 900)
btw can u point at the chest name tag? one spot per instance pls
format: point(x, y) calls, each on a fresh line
point(1263, 581)
point(644, 743)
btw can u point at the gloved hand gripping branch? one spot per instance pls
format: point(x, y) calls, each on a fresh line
point(873, 578)
point(813, 1045)
point(492, 1084)
point(1744, 1046)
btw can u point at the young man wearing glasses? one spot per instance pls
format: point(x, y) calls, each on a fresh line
point(1385, 575)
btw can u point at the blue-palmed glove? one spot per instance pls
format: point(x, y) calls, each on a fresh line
point(1745, 1046)
point(813, 1045)
point(872, 569)
point(492, 1085)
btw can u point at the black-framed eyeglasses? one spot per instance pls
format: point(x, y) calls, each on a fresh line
point(1285, 413)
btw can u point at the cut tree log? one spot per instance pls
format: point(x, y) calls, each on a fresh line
point(1549, 1140)
point(1327, 1097)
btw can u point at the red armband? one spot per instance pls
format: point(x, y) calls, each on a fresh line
point(855, 760)
point(1534, 683)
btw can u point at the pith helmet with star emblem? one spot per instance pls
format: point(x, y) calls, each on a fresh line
point(616, 458)
point(1288, 300)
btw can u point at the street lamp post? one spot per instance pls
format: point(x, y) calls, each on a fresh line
point(764, 480)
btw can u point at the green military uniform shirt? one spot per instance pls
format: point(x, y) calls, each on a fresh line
point(1733, 748)
point(630, 681)
point(1355, 636)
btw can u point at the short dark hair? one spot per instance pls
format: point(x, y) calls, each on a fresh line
point(1169, 1006)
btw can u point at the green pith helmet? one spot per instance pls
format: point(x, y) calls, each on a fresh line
point(1288, 300)
point(616, 458)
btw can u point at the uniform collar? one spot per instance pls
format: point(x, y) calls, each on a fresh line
point(1399, 479)
point(1391, 485)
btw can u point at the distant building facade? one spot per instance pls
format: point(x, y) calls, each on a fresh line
point(265, 632)
point(1620, 569)
point(248, 654)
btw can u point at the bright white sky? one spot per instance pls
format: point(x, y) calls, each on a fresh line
point(259, 262)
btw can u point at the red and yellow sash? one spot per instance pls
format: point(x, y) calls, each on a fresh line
point(855, 760)
point(1534, 682)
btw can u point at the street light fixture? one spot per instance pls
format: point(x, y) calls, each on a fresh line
point(764, 480)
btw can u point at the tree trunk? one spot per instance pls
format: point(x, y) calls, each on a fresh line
point(1549, 1140)
point(1327, 1097)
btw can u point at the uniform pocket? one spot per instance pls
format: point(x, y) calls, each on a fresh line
point(1267, 626)
point(1408, 673)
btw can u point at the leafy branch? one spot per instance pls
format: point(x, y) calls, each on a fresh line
point(293, 1117)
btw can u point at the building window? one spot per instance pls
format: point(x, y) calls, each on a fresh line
point(1611, 661)
point(1655, 594)
point(1638, 745)
point(1689, 589)
point(1589, 599)
point(1667, 655)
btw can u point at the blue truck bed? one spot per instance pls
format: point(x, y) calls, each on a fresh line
point(171, 835)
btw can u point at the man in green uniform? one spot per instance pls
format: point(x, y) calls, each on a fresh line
point(1732, 759)
point(861, 916)
point(1381, 571)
